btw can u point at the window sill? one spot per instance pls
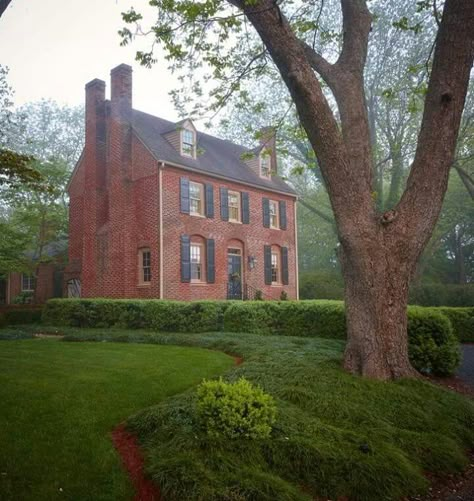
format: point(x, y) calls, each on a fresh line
point(276, 285)
point(144, 284)
point(235, 221)
point(198, 283)
point(196, 214)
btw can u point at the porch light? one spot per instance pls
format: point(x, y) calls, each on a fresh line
point(252, 262)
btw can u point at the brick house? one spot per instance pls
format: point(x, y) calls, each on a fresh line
point(160, 210)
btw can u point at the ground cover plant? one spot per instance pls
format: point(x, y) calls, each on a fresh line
point(60, 401)
point(335, 434)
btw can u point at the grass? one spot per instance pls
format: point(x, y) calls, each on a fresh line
point(59, 402)
point(336, 435)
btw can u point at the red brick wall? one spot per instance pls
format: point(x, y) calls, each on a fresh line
point(115, 212)
point(44, 289)
point(253, 237)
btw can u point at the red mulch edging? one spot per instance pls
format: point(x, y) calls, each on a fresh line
point(132, 458)
point(127, 446)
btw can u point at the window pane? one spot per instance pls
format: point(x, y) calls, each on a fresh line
point(187, 139)
point(146, 266)
point(196, 264)
point(275, 268)
point(196, 196)
point(234, 206)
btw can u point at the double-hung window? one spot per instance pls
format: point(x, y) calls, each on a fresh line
point(274, 222)
point(196, 198)
point(265, 165)
point(234, 206)
point(197, 269)
point(188, 143)
point(275, 267)
point(27, 283)
point(144, 264)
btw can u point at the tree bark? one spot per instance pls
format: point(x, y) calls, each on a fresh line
point(378, 252)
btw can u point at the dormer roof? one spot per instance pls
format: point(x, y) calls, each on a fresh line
point(216, 157)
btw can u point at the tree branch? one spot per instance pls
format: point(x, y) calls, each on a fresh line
point(319, 213)
point(421, 202)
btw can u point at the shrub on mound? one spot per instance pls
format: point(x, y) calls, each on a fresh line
point(235, 410)
point(16, 315)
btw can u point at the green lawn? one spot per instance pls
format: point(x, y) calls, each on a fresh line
point(59, 401)
point(336, 435)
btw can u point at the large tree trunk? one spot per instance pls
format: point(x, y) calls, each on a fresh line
point(376, 294)
point(379, 252)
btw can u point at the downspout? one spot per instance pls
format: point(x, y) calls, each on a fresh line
point(296, 254)
point(161, 166)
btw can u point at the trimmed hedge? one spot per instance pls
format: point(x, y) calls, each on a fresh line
point(433, 346)
point(167, 316)
point(462, 320)
point(21, 315)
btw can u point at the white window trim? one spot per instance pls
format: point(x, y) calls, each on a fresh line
point(264, 155)
point(30, 280)
point(181, 142)
point(239, 206)
point(141, 271)
point(201, 257)
point(277, 214)
point(276, 253)
point(201, 191)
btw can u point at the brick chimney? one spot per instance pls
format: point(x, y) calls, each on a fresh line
point(121, 91)
point(95, 173)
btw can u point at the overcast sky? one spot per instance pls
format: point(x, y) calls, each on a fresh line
point(54, 47)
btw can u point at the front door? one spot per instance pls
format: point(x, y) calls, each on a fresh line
point(234, 270)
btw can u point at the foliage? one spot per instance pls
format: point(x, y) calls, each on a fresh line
point(321, 285)
point(442, 295)
point(432, 346)
point(22, 315)
point(60, 402)
point(336, 435)
point(462, 320)
point(284, 318)
point(284, 296)
point(235, 410)
point(24, 297)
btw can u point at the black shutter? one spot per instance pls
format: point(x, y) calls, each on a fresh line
point(210, 257)
point(282, 207)
point(224, 204)
point(284, 265)
point(185, 258)
point(245, 208)
point(184, 194)
point(209, 200)
point(266, 212)
point(267, 263)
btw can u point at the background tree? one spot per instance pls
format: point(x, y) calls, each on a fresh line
point(379, 250)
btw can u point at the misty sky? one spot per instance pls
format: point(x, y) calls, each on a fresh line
point(54, 47)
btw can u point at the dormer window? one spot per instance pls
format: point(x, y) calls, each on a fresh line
point(188, 143)
point(265, 164)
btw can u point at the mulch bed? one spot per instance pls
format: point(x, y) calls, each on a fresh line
point(132, 458)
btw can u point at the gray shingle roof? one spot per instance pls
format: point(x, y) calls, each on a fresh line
point(219, 157)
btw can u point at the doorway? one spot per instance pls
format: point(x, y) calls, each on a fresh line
point(234, 272)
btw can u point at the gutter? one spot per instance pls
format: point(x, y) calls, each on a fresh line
point(296, 254)
point(161, 166)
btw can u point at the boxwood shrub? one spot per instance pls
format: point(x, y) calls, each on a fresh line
point(462, 320)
